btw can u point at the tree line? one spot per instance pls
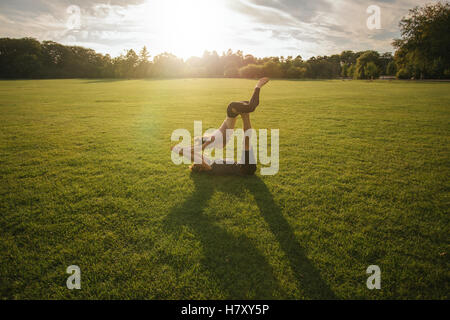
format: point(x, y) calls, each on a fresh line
point(422, 52)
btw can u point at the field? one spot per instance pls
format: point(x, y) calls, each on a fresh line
point(87, 180)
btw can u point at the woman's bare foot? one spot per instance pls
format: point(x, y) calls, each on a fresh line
point(262, 82)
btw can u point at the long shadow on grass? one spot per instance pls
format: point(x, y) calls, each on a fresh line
point(235, 264)
point(308, 277)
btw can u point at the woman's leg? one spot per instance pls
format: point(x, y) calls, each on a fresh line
point(236, 108)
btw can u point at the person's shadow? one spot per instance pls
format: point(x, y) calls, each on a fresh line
point(235, 263)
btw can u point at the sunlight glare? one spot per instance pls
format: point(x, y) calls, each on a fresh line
point(187, 27)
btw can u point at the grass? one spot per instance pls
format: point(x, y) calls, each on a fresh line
point(86, 179)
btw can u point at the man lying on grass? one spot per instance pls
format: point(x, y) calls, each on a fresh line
point(247, 165)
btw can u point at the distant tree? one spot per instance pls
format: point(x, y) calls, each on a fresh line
point(168, 65)
point(125, 65)
point(362, 61)
point(211, 64)
point(391, 69)
point(20, 58)
point(143, 63)
point(144, 55)
point(107, 67)
point(385, 59)
point(323, 67)
point(249, 59)
point(251, 71)
point(272, 69)
point(195, 68)
point(56, 58)
point(424, 46)
point(371, 70)
point(232, 62)
point(344, 70)
point(296, 72)
point(348, 57)
point(81, 63)
point(231, 72)
point(298, 61)
point(27, 66)
point(351, 71)
point(403, 74)
point(131, 63)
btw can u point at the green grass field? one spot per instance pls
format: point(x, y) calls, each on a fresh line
point(87, 180)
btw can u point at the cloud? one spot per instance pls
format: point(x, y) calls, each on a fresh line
point(326, 26)
point(103, 23)
point(302, 10)
point(260, 27)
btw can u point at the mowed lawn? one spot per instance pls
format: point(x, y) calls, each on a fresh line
point(87, 180)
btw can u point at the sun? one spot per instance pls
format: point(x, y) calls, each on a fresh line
point(187, 28)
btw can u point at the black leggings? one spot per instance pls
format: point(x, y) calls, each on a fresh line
point(236, 108)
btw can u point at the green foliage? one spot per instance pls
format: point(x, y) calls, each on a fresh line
point(371, 70)
point(385, 59)
point(272, 69)
point(348, 57)
point(368, 57)
point(251, 71)
point(87, 179)
point(425, 41)
point(167, 65)
point(403, 74)
point(231, 72)
point(391, 69)
point(28, 58)
point(344, 71)
point(351, 71)
point(28, 65)
point(144, 55)
point(296, 72)
point(323, 67)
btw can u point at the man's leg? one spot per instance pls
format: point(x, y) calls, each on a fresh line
point(248, 161)
point(247, 125)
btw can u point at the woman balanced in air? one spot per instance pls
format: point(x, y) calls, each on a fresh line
point(219, 138)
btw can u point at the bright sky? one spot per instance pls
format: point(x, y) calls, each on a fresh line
point(189, 27)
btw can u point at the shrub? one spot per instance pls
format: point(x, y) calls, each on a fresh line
point(231, 72)
point(403, 74)
point(251, 71)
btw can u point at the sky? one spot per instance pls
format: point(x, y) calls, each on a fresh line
point(189, 27)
